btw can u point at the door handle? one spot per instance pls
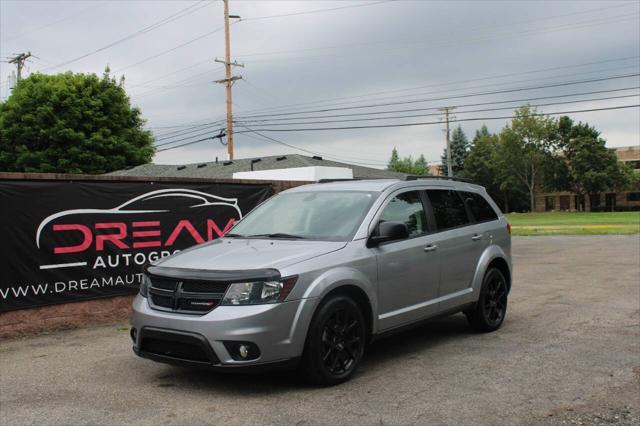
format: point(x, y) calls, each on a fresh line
point(431, 247)
point(476, 237)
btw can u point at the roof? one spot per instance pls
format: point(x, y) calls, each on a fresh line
point(225, 169)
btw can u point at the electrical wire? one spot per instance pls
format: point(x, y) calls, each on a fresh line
point(308, 12)
point(637, 95)
point(157, 55)
point(518, 89)
point(380, 126)
point(521, 100)
point(173, 17)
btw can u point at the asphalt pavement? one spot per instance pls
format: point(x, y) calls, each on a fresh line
point(568, 353)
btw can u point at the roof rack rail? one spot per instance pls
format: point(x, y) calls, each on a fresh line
point(417, 177)
point(337, 180)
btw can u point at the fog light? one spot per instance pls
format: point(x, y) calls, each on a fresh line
point(242, 351)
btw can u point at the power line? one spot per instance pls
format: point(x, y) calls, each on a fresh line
point(380, 126)
point(480, 38)
point(519, 89)
point(157, 55)
point(308, 12)
point(357, 114)
point(341, 158)
point(328, 103)
point(173, 17)
point(194, 127)
point(402, 125)
point(188, 143)
point(41, 27)
point(451, 107)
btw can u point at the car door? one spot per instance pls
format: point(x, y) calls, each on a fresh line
point(456, 241)
point(408, 269)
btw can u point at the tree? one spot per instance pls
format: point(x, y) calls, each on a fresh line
point(482, 166)
point(526, 146)
point(407, 165)
point(394, 160)
point(71, 123)
point(589, 166)
point(459, 148)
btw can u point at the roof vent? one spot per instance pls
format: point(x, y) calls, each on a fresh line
point(254, 161)
point(201, 165)
point(181, 167)
point(226, 163)
point(284, 157)
point(317, 157)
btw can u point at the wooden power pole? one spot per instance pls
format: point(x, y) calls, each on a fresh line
point(19, 60)
point(446, 111)
point(228, 81)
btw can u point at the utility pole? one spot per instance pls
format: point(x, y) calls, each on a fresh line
point(19, 60)
point(446, 111)
point(228, 81)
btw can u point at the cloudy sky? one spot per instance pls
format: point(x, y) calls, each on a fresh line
point(369, 61)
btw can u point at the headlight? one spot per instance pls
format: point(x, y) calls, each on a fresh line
point(144, 285)
point(258, 292)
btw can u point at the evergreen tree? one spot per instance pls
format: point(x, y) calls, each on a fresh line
point(459, 149)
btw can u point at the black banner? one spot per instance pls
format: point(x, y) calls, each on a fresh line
point(62, 241)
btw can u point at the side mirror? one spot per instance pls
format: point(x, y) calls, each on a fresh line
point(388, 231)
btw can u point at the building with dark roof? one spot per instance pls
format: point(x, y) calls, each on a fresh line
point(226, 169)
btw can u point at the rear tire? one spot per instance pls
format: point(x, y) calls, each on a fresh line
point(489, 312)
point(335, 342)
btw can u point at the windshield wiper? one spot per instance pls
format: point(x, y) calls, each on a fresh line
point(231, 235)
point(278, 235)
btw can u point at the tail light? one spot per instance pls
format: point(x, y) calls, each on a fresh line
point(509, 228)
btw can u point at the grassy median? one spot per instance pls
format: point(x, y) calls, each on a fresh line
point(611, 223)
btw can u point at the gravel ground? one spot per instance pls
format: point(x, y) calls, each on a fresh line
point(568, 353)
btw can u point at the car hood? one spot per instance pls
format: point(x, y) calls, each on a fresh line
point(238, 254)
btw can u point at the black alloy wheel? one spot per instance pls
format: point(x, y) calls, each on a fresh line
point(490, 310)
point(335, 342)
point(341, 342)
point(495, 302)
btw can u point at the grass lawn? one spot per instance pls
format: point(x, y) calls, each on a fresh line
point(563, 223)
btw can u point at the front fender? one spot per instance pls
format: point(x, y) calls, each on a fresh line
point(343, 276)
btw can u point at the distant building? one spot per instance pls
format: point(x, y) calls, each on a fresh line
point(227, 169)
point(568, 201)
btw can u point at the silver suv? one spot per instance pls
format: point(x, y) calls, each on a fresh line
point(313, 274)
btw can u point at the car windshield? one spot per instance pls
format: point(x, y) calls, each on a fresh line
point(321, 215)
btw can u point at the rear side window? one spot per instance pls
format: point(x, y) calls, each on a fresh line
point(407, 208)
point(481, 209)
point(448, 208)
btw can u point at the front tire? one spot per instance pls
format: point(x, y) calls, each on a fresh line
point(490, 310)
point(335, 342)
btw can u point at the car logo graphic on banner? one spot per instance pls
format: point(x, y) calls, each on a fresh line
point(134, 224)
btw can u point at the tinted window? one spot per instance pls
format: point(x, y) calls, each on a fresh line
point(481, 209)
point(448, 208)
point(407, 208)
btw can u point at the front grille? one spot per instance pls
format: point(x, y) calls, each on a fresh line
point(165, 284)
point(174, 349)
point(190, 297)
point(179, 346)
point(162, 301)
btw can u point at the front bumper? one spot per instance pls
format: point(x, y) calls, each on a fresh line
point(279, 331)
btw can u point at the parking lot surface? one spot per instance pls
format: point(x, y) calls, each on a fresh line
point(568, 353)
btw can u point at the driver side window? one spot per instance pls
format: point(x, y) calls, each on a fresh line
point(408, 209)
